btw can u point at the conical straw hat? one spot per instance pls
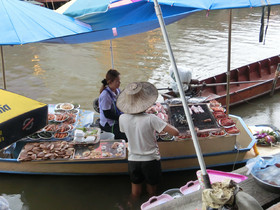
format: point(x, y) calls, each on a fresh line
point(137, 97)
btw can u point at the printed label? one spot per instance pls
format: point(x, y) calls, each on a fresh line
point(28, 124)
point(4, 108)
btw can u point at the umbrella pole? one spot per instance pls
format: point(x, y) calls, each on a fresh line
point(183, 98)
point(3, 67)
point(228, 62)
point(112, 56)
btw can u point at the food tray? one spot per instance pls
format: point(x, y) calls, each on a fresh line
point(190, 187)
point(103, 150)
point(64, 106)
point(48, 151)
point(220, 176)
point(88, 131)
point(226, 126)
point(155, 201)
point(41, 139)
point(177, 111)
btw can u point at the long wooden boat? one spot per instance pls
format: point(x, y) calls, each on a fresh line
point(176, 156)
point(242, 88)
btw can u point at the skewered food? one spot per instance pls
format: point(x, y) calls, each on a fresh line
point(63, 128)
point(51, 127)
point(61, 117)
point(61, 135)
point(207, 120)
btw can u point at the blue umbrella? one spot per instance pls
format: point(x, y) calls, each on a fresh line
point(22, 23)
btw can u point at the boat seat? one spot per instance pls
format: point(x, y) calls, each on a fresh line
point(243, 74)
point(253, 71)
point(259, 69)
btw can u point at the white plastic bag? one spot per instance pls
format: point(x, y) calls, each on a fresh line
point(185, 76)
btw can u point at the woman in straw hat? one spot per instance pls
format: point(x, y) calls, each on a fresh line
point(109, 113)
point(140, 127)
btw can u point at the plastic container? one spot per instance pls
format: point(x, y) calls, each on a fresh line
point(155, 201)
point(190, 187)
point(174, 193)
point(107, 136)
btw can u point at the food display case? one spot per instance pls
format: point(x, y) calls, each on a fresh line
point(202, 117)
point(106, 149)
point(212, 135)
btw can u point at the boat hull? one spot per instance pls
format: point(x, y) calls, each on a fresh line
point(240, 93)
point(176, 156)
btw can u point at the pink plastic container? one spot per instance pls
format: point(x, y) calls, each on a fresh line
point(220, 176)
point(190, 187)
point(155, 201)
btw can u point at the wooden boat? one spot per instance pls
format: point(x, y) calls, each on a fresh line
point(176, 155)
point(242, 87)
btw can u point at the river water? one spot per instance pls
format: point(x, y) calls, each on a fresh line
point(73, 73)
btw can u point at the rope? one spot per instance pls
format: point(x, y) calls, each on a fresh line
point(238, 146)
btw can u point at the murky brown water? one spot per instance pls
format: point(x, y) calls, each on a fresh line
point(73, 73)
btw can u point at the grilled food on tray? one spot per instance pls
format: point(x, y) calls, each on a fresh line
point(232, 130)
point(226, 122)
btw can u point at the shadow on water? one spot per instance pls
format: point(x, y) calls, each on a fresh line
point(81, 192)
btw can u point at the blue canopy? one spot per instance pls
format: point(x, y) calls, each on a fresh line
point(127, 17)
point(22, 23)
point(125, 20)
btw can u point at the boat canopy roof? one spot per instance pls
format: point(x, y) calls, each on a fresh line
point(119, 18)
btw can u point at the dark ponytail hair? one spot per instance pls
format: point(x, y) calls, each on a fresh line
point(111, 75)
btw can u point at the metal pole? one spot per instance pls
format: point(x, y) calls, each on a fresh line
point(228, 62)
point(3, 67)
point(112, 56)
point(183, 98)
point(277, 72)
point(52, 5)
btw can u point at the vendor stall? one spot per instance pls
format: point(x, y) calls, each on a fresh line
point(69, 145)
